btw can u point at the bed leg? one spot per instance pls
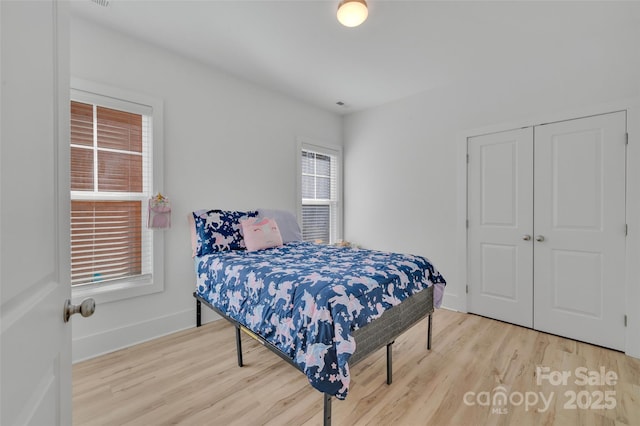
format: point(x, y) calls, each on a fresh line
point(429, 332)
point(389, 363)
point(327, 410)
point(239, 346)
point(198, 313)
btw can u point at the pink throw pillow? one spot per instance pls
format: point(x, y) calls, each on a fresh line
point(260, 234)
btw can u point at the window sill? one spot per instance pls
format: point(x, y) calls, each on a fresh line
point(112, 292)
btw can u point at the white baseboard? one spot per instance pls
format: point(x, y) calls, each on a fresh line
point(94, 345)
point(454, 302)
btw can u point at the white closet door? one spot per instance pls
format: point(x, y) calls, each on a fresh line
point(580, 213)
point(500, 216)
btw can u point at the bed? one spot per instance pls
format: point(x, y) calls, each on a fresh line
point(321, 308)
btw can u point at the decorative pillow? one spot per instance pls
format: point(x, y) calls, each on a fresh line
point(260, 234)
point(219, 230)
point(287, 223)
point(192, 229)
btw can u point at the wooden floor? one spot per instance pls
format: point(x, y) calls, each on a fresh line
point(191, 378)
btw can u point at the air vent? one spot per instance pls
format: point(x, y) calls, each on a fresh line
point(103, 3)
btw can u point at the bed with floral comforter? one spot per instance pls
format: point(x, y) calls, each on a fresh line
point(306, 299)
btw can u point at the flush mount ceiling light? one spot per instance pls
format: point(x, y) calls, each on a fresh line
point(352, 13)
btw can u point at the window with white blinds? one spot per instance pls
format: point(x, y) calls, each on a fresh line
point(320, 193)
point(111, 181)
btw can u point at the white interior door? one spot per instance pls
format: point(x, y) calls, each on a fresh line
point(34, 215)
point(580, 213)
point(500, 226)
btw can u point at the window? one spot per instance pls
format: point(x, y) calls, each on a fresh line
point(112, 147)
point(321, 208)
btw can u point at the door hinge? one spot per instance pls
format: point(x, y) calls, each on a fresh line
point(625, 320)
point(626, 229)
point(467, 288)
point(467, 223)
point(627, 140)
point(467, 158)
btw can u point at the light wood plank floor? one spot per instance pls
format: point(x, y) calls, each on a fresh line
point(191, 378)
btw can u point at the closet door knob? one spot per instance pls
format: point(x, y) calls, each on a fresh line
point(539, 238)
point(526, 237)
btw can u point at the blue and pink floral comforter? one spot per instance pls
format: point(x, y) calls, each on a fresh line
point(306, 298)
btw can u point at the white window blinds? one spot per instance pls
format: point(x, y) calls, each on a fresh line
point(111, 181)
point(320, 193)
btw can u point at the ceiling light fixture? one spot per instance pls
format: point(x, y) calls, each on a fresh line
point(352, 13)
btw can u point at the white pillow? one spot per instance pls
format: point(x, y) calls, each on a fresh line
point(287, 223)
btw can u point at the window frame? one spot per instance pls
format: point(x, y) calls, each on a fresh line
point(84, 91)
point(304, 144)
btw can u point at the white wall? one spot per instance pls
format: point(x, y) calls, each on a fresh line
point(403, 162)
point(228, 144)
point(401, 159)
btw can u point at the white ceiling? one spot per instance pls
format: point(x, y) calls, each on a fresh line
point(405, 47)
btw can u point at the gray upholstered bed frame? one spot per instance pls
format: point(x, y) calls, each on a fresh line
point(380, 332)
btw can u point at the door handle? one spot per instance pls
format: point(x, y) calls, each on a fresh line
point(526, 237)
point(539, 238)
point(86, 308)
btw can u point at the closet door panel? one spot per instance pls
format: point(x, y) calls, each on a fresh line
point(500, 215)
point(579, 199)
